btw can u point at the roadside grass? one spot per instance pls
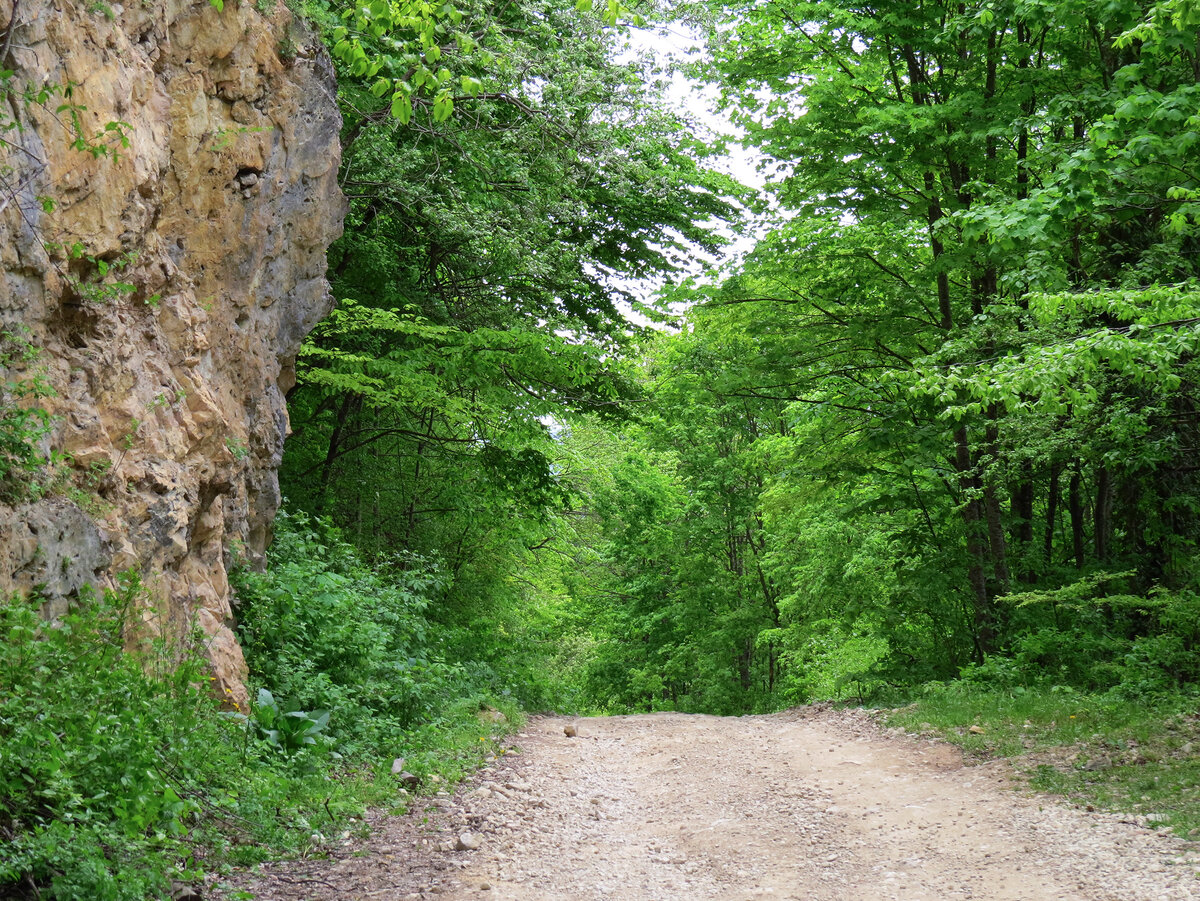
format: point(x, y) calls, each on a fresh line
point(462, 741)
point(333, 797)
point(329, 805)
point(1137, 756)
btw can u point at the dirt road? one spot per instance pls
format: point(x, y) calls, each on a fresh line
point(807, 804)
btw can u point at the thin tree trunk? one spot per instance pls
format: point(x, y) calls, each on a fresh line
point(1022, 504)
point(969, 483)
point(1051, 513)
point(991, 504)
point(976, 552)
point(1075, 506)
point(1022, 515)
point(410, 513)
point(1028, 107)
point(770, 667)
point(744, 659)
point(346, 409)
point(996, 539)
point(1102, 513)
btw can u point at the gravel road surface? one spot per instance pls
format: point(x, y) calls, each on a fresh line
point(808, 804)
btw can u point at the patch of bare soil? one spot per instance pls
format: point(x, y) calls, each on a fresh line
point(808, 804)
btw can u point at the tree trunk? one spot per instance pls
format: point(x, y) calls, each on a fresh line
point(346, 409)
point(996, 539)
point(1051, 513)
point(1102, 514)
point(997, 542)
point(1075, 506)
point(771, 667)
point(976, 552)
point(1022, 516)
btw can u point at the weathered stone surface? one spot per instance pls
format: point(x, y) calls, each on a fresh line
point(169, 398)
point(52, 548)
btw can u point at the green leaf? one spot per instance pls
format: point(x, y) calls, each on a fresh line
point(443, 107)
point(402, 108)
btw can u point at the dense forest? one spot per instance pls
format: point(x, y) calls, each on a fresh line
point(941, 416)
point(940, 423)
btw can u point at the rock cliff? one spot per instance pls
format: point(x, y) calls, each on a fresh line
point(168, 188)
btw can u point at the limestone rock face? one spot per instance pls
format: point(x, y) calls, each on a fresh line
point(166, 202)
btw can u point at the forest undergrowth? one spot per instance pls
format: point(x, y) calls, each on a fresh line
point(122, 776)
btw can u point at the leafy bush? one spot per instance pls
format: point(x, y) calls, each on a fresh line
point(1130, 645)
point(118, 772)
point(323, 632)
point(103, 768)
point(287, 732)
point(1079, 657)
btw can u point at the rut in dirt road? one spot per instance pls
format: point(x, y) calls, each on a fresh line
point(807, 804)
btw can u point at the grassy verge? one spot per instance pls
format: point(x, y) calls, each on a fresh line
point(328, 806)
point(1138, 756)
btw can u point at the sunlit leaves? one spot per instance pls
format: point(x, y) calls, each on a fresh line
point(402, 106)
point(405, 41)
point(422, 48)
point(1059, 362)
point(1167, 22)
point(1026, 301)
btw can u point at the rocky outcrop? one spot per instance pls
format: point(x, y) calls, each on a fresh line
point(166, 200)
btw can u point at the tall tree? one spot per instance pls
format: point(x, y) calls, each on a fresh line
point(996, 151)
point(495, 218)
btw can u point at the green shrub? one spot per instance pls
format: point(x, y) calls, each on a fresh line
point(102, 766)
point(119, 772)
point(288, 732)
point(1079, 657)
point(323, 632)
